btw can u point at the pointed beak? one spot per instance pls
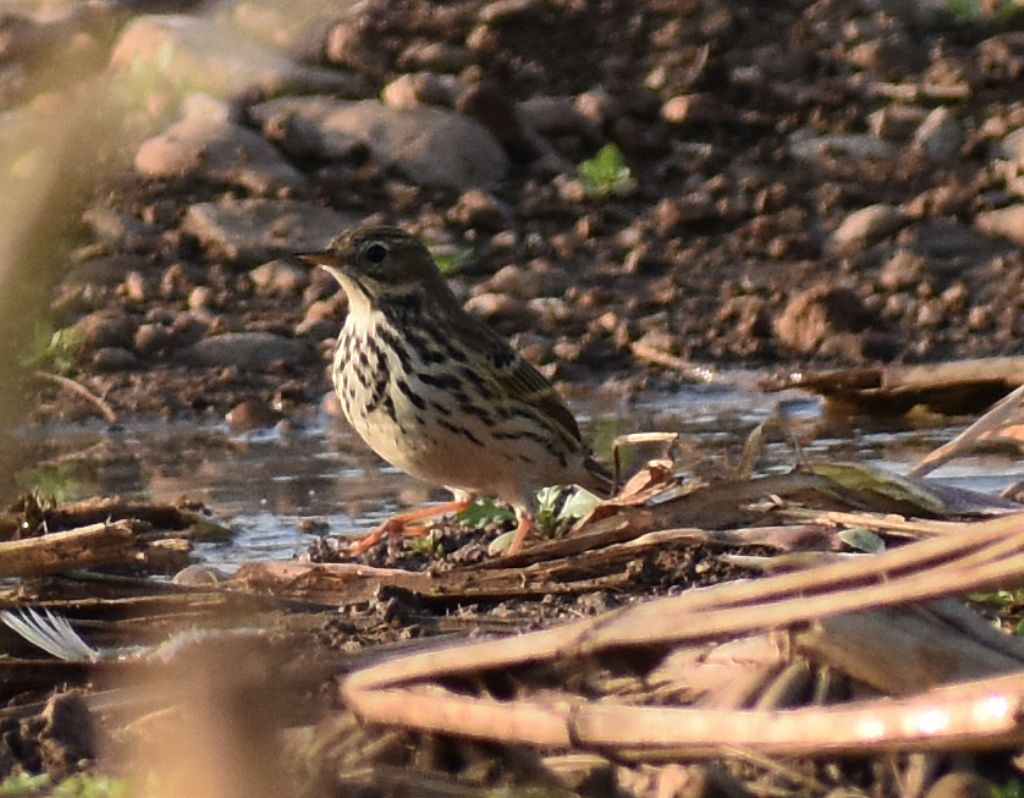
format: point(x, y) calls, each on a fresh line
point(324, 258)
point(330, 262)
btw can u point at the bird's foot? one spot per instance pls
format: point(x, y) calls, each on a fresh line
point(404, 525)
point(522, 530)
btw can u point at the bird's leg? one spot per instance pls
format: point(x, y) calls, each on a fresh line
point(400, 524)
point(525, 519)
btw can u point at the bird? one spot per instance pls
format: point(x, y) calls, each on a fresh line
point(440, 395)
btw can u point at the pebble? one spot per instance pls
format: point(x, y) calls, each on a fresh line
point(422, 88)
point(114, 358)
point(430, 146)
point(439, 56)
point(217, 151)
point(480, 210)
point(196, 53)
point(113, 226)
point(867, 224)
point(1012, 146)
point(1007, 222)
point(246, 350)
point(279, 278)
point(196, 575)
point(854, 146)
point(106, 327)
point(155, 337)
point(940, 136)
point(251, 230)
point(815, 315)
point(251, 414)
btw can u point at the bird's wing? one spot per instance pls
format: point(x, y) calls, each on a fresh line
point(515, 378)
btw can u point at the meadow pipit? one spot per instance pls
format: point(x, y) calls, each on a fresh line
point(437, 393)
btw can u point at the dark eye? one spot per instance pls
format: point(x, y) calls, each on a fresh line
point(375, 253)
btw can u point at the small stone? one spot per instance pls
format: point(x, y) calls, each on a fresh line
point(1012, 146)
point(422, 88)
point(940, 136)
point(502, 11)
point(114, 358)
point(962, 785)
point(219, 152)
point(246, 350)
point(201, 298)
point(251, 414)
point(196, 53)
point(103, 328)
point(258, 229)
point(279, 278)
point(106, 270)
point(154, 337)
point(197, 575)
point(322, 320)
point(431, 146)
point(504, 306)
point(896, 122)
point(1007, 222)
point(439, 56)
point(817, 314)
point(479, 210)
point(867, 224)
point(903, 270)
point(854, 147)
point(111, 225)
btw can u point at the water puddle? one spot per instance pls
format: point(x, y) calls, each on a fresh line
point(270, 486)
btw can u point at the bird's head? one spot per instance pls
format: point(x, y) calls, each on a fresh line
point(379, 264)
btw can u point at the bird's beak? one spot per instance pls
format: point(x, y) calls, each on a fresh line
point(328, 261)
point(324, 258)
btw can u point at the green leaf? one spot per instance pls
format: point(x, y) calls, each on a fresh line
point(485, 511)
point(861, 539)
point(451, 260)
point(606, 174)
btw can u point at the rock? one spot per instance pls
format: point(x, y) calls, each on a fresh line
point(153, 337)
point(279, 277)
point(439, 56)
point(555, 116)
point(251, 414)
point(479, 210)
point(114, 358)
point(1012, 146)
point(197, 575)
point(1007, 222)
point(246, 350)
point(351, 43)
point(896, 122)
point(196, 53)
point(491, 106)
point(422, 88)
point(217, 151)
point(867, 224)
point(430, 146)
point(902, 271)
point(817, 314)
point(106, 270)
point(855, 147)
point(106, 327)
point(940, 136)
point(110, 225)
point(960, 784)
point(251, 230)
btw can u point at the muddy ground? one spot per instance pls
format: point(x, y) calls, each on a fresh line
point(833, 183)
point(826, 184)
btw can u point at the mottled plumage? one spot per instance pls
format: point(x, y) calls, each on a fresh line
point(437, 393)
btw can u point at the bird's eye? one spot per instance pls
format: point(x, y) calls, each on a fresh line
point(375, 253)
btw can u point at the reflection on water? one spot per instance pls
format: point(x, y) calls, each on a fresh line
point(267, 483)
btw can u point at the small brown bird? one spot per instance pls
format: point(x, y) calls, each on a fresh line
point(437, 393)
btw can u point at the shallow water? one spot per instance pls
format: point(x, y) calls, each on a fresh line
point(268, 485)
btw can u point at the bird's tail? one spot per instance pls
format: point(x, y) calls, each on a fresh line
point(599, 478)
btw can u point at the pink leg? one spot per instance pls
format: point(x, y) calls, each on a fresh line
point(399, 524)
point(522, 530)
